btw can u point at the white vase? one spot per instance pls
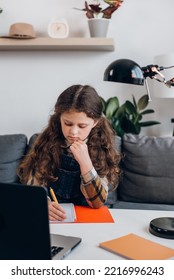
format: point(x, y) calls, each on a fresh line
point(98, 27)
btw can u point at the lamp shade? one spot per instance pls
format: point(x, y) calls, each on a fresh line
point(161, 90)
point(124, 71)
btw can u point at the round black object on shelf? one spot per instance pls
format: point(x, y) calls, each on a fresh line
point(162, 227)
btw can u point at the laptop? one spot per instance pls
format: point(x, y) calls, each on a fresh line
point(24, 226)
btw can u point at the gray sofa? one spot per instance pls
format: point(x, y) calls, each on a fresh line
point(148, 169)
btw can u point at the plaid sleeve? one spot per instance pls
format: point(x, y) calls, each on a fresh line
point(94, 188)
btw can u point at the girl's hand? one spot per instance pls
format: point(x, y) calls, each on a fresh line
point(80, 152)
point(55, 211)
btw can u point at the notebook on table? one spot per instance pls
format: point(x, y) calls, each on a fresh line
point(24, 226)
point(132, 246)
point(85, 214)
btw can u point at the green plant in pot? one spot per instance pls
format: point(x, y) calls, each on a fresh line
point(127, 118)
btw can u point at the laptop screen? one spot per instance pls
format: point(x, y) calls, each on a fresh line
point(24, 225)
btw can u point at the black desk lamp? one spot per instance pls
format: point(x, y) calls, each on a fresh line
point(128, 71)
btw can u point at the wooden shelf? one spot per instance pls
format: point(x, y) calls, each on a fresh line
point(67, 44)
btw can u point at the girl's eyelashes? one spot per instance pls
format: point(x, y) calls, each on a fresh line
point(68, 124)
point(80, 125)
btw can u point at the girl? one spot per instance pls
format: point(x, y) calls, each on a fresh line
point(75, 154)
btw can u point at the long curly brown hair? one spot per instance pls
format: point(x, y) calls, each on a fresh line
point(44, 157)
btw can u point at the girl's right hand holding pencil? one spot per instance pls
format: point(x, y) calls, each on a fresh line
point(55, 211)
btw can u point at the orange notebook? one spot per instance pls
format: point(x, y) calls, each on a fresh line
point(85, 214)
point(135, 247)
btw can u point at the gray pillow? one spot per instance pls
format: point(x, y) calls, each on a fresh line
point(12, 148)
point(31, 141)
point(148, 169)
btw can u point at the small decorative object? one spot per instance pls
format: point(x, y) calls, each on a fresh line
point(58, 28)
point(127, 118)
point(21, 30)
point(1, 10)
point(99, 16)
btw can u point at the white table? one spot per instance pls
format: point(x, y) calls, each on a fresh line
point(126, 221)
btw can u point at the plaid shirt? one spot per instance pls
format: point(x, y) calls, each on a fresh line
point(94, 188)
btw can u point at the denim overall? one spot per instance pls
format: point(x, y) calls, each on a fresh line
point(67, 187)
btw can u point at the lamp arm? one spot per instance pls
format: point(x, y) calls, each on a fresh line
point(148, 91)
point(168, 67)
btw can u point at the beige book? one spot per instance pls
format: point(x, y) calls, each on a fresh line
point(135, 247)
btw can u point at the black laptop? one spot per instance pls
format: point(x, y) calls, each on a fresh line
point(24, 226)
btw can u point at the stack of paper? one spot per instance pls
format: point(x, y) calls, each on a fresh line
point(70, 213)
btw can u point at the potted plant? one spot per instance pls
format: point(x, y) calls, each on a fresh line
point(99, 15)
point(127, 118)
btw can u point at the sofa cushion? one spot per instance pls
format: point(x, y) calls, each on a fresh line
point(148, 169)
point(31, 141)
point(12, 148)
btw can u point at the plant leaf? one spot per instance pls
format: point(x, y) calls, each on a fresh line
point(130, 108)
point(103, 105)
point(143, 102)
point(111, 107)
point(134, 101)
point(129, 127)
point(149, 111)
point(116, 126)
point(120, 111)
point(148, 123)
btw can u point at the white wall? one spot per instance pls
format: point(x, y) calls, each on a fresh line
point(30, 82)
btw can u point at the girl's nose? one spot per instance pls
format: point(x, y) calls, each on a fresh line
point(73, 130)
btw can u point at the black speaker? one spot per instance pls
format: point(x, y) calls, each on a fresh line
point(162, 227)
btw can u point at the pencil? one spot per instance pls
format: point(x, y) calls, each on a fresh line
point(53, 195)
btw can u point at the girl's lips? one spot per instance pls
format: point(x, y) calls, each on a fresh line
point(72, 139)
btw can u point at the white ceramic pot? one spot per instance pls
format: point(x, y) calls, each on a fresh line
point(98, 27)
